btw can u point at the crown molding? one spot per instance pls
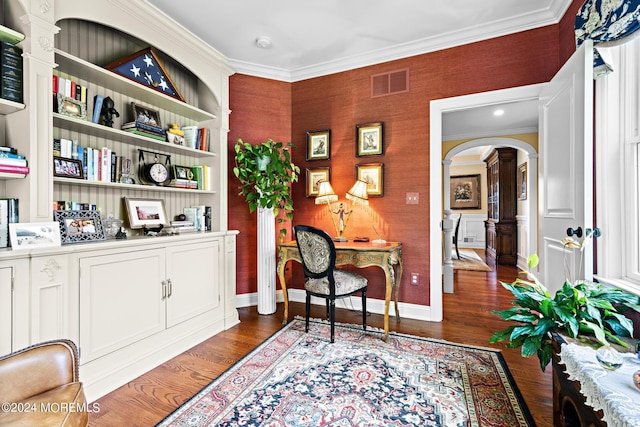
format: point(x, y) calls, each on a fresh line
point(524, 22)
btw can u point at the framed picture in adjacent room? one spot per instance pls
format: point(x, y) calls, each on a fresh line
point(319, 145)
point(372, 174)
point(522, 182)
point(314, 177)
point(79, 226)
point(465, 191)
point(370, 139)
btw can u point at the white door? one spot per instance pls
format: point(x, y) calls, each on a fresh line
point(566, 168)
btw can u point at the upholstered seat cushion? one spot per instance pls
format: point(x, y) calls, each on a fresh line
point(346, 283)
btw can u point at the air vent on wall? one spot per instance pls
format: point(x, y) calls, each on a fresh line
point(390, 83)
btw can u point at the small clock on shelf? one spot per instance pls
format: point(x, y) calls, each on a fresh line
point(154, 172)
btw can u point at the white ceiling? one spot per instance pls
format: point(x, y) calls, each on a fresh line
point(315, 38)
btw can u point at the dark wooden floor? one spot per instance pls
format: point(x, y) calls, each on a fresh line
point(149, 398)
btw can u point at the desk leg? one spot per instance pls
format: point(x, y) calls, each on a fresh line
point(397, 287)
point(282, 262)
point(388, 274)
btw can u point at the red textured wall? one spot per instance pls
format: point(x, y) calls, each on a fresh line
point(260, 109)
point(340, 101)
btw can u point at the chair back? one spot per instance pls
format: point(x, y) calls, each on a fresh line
point(317, 251)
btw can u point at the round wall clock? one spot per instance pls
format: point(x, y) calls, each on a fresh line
point(154, 173)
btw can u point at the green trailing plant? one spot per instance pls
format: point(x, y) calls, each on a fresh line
point(265, 172)
point(584, 308)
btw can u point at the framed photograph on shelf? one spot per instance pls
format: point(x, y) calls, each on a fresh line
point(319, 145)
point(79, 226)
point(370, 139)
point(314, 177)
point(67, 168)
point(372, 174)
point(465, 192)
point(146, 115)
point(31, 235)
point(522, 182)
point(71, 107)
point(145, 212)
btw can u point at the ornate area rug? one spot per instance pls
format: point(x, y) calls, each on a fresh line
point(299, 379)
point(469, 260)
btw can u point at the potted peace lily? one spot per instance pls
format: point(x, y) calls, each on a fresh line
point(266, 172)
point(580, 308)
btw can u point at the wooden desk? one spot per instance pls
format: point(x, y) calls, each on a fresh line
point(386, 256)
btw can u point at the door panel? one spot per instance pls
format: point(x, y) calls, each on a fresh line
point(566, 166)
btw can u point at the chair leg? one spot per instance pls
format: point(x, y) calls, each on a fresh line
point(332, 317)
point(307, 309)
point(364, 310)
point(328, 311)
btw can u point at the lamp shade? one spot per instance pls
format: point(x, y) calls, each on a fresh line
point(325, 193)
point(358, 193)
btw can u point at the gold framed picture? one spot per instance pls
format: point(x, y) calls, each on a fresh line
point(314, 177)
point(465, 191)
point(372, 174)
point(370, 139)
point(522, 182)
point(319, 145)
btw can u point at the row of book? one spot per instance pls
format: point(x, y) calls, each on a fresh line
point(200, 180)
point(69, 88)
point(98, 164)
point(68, 205)
point(8, 215)
point(10, 72)
point(12, 162)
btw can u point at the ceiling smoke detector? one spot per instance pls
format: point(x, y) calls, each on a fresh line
point(263, 43)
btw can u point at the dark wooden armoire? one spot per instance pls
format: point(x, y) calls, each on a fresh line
point(501, 226)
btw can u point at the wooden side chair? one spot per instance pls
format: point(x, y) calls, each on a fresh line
point(322, 278)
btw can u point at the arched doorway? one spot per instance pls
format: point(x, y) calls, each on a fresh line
point(531, 208)
point(436, 176)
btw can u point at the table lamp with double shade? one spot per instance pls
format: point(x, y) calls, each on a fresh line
point(357, 195)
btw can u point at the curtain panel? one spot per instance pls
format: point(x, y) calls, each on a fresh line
point(606, 22)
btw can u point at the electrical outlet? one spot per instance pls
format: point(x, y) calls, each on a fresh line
point(415, 278)
point(413, 198)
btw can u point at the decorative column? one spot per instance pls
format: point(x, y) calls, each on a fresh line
point(266, 261)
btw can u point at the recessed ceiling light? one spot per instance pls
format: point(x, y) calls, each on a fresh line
point(263, 42)
point(498, 113)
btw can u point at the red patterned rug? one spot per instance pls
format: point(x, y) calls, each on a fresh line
point(300, 379)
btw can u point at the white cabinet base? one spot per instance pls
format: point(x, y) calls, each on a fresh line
point(109, 372)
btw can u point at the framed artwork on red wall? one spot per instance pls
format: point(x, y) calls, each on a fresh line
point(370, 139)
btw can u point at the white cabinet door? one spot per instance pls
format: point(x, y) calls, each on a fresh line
point(6, 310)
point(121, 300)
point(193, 274)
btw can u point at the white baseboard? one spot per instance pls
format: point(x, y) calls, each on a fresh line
point(376, 306)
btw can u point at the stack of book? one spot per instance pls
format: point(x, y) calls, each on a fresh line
point(144, 129)
point(10, 72)
point(8, 215)
point(12, 162)
point(181, 227)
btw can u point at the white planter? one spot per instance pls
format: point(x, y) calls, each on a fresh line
point(266, 261)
